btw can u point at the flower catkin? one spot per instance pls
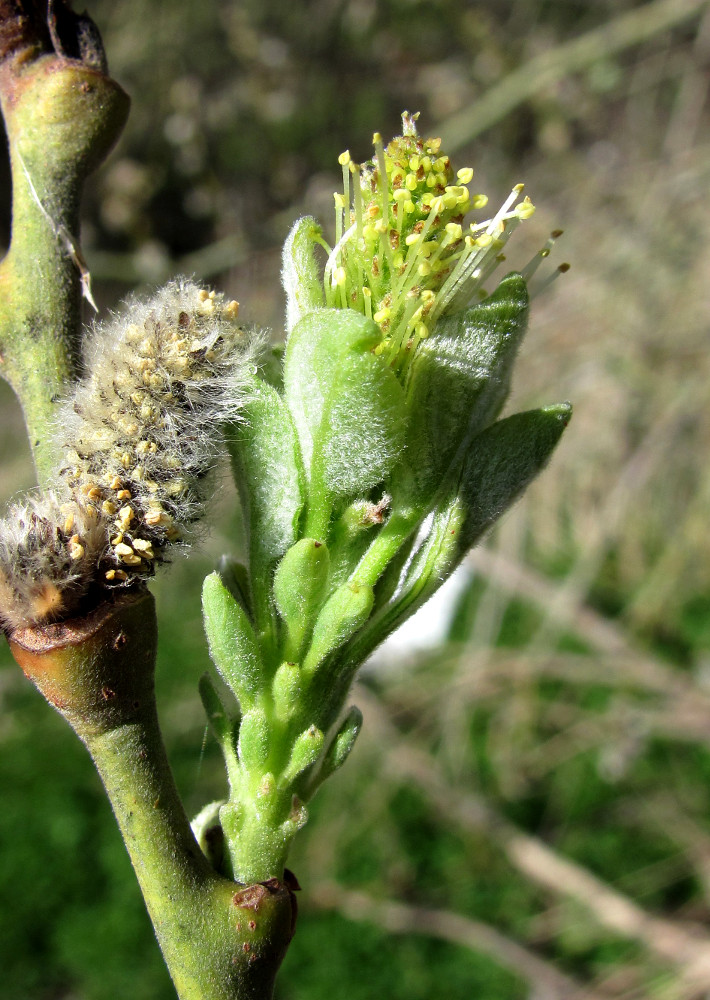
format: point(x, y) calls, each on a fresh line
point(139, 434)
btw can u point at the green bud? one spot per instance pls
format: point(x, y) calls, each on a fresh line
point(342, 743)
point(232, 643)
point(253, 745)
point(344, 613)
point(286, 690)
point(299, 588)
point(306, 751)
point(351, 535)
point(297, 818)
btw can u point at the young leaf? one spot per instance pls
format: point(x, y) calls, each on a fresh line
point(301, 274)
point(346, 404)
point(267, 467)
point(459, 379)
point(342, 743)
point(500, 464)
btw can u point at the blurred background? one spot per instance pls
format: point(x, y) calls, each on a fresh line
point(527, 811)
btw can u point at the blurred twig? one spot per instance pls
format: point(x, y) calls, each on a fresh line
point(154, 267)
point(397, 918)
point(551, 66)
point(686, 950)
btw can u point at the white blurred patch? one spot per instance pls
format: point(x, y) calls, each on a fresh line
point(429, 627)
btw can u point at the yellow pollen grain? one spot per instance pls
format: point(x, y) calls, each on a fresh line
point(75, 548)
point(147, 348)
point(132, 560)
point(126, 515)
point(144, 547)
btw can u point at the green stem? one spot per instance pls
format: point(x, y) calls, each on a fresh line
point(221, 940)
point(62, 117)
point(201, 929)
point(385, 547)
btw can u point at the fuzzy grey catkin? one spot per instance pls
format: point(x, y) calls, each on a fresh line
point(49, 552)
point(139, 434)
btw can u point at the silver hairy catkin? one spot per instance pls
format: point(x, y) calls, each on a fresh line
point(49, 552)
point(140, 433)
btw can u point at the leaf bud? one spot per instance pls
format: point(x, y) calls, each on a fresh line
point(344, 613)
point(232, 643)
point(306, 751)
point(253, 745)
point(299, 587)
point(286, 690)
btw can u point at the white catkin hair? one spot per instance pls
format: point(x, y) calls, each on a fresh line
point(49, 554)
point(140, 433)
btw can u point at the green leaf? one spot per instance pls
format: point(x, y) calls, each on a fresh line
point(268, 471)
point(500, 464)
point(458, 382)
point(232, 643)
point(342, 743)
point(347, 406)
point(301, 273)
